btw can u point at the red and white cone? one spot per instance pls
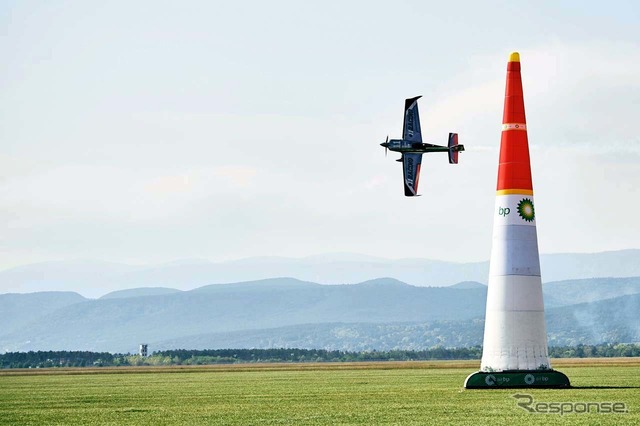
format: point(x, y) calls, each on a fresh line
point(515, 335)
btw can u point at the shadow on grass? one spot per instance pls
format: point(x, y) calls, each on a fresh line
point(604, 387)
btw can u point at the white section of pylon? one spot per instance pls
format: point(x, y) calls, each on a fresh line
point(514, 251)
point(515, 335)
point(515, 293)
point(515, 340)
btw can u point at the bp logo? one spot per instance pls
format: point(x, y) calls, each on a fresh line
point(529, 379)
point(525, 210)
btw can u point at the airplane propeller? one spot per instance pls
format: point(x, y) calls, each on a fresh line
point(386, 147)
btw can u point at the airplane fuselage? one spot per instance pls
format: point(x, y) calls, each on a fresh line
point(402, 145)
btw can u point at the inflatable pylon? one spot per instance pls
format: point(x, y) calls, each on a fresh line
point(515, 352)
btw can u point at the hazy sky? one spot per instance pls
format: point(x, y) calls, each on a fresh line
point(148, 131)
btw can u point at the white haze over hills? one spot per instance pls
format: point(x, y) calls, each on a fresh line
point(96, 278)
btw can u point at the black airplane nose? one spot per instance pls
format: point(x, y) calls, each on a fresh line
point(385, 143)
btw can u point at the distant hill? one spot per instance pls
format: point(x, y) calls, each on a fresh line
point(469, 284)
point(570, 292)
point(18, 310)
point(142, 291)
point(94, 279)
point(88, 277)
point(384, 313)
point(120, 324)
point(269, 284)
point(566, 266)
point(605, 321)
point(339, 336)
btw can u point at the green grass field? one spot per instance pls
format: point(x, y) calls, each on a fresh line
point(368, 393)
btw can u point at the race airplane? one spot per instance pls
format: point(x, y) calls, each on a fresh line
point(411, 147)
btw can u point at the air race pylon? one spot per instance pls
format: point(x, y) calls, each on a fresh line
point(515, 352)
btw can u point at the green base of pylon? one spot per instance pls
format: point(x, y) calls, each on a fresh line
point(517, 379)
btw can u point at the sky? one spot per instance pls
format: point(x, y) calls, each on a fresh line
point(151, 131)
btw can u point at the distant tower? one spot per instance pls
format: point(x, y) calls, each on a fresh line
point(143, 349)
point(515, 352)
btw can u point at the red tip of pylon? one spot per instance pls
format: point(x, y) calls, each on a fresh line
point(514, 171)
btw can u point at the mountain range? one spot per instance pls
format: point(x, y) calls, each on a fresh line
point(96, 278)
point(376, 314)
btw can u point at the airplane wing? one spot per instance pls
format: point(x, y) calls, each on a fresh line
point(411, 127)
point(411, 170)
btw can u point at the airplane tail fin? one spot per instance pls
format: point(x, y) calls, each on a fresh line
point(454, 148)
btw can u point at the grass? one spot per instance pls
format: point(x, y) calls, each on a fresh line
point(359, 393)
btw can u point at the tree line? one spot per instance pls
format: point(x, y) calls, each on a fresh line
point(50, 359)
